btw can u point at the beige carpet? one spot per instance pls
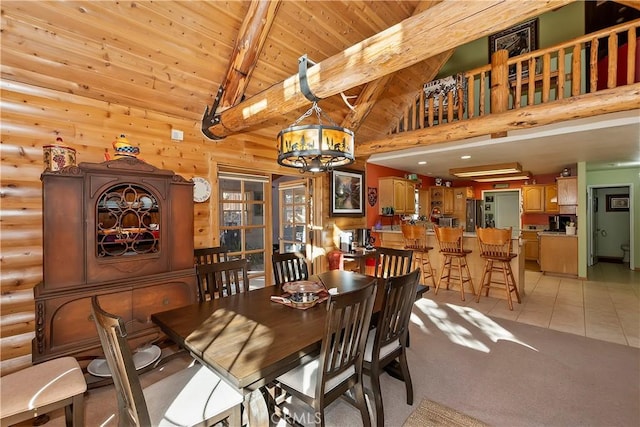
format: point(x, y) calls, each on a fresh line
point(431, 413)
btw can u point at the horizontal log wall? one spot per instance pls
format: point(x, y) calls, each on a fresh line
point(34, 117)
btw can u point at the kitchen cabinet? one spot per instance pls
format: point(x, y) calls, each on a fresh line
point(460, 196)
point(568, 195)
point(443, 198)
point(122, 230)
point(533, 198)
point(551, 198)
point(559, 254)
point(531, 251)
point(424, 202)
point(398, 193)
point(540, 198)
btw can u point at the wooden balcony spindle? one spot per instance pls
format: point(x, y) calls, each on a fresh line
point(561, 76)
point(613, 61)
point(631, 56)
point(593, 67)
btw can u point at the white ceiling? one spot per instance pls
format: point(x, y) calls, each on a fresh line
point(603, 142)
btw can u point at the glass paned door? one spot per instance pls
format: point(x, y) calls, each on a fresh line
point(295, 216)
point(242, 221)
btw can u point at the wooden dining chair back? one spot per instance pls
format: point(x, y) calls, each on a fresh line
point(393, 262)
point(192, 396)
point(388, 340)
point(289, 267)
point(451, 243)
point(495, 247)
point(415, 239)
point(210, 255)
point(338, 368)
point(223, 278)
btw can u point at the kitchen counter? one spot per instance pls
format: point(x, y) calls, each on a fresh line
point(430, 232)
point(392, 238)
point(556, 233)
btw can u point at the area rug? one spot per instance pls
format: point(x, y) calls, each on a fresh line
point(431, 413)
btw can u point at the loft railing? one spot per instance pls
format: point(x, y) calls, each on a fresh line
point(584, 64)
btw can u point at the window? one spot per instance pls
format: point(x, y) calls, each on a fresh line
point(242, 220)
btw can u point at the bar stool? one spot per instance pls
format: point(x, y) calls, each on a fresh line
point(415, 238)
point(451, 247)
point(495, 248)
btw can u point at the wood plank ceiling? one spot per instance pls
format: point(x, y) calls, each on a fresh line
point(173, 57)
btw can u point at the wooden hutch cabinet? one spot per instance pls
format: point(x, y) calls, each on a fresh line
point(122, 230)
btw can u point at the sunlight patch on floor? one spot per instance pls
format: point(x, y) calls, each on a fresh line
point(458, 334)
point(491, 329)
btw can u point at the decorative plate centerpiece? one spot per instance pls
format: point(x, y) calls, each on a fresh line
point(302, 286)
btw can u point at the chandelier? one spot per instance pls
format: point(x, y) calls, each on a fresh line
point(314, 147)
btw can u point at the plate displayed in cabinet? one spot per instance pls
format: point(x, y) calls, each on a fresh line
point(201, 189)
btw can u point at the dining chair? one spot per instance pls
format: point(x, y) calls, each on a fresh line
point(387, 342)
point(495, 248)
point(223, 278)
point(289, 267)
point(452, 249)
point(338, 367)
point(415, 239)
point(34, 391)
point(192, 396)
point(392, 262)
point(210, 255)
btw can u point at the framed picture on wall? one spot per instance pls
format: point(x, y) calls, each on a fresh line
point(347, 198)
point(517, 40)
point(617, 203)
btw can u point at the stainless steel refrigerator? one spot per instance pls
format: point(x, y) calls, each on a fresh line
point(474, 215)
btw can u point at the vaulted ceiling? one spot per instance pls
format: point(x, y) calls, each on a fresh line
point(176, 57)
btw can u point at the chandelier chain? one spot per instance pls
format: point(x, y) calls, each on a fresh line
point(319, 114)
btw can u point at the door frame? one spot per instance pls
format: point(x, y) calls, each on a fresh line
point(591, 223)
point(502, 190)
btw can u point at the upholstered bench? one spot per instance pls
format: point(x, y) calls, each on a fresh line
point(42, 388)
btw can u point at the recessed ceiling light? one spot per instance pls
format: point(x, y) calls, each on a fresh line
point(465, 157)
point(422, 162)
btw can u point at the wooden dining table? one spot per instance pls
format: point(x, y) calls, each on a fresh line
point(250, 340)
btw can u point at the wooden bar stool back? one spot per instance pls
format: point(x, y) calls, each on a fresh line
point(415, 239)
point(451, 247)
point(495, 248)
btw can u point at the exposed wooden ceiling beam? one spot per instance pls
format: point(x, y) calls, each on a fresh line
point(622, 98)
point(251, 37)
point(372, 90)
point(440, 28)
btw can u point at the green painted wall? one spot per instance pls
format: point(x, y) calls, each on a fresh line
point(556, 27)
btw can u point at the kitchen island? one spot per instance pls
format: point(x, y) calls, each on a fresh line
point(390, 238)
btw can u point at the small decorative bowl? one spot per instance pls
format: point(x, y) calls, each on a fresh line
point(304, 299)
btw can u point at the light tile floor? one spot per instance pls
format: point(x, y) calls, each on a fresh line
point(606, 306)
